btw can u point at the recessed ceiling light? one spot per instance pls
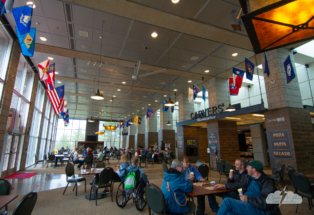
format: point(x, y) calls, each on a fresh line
point(148, 104)
point(31, 3)
point(118, 89)
point(110, 100)
point(175, 90)
point(132, 113)
point(235, 54)
point(123, 82)
point(207, 71)
point(175, 1)
point(165, 95)
point(57, 73)
point(142, 107)
point(138, 110)
point(189, 81)
point(50, 58)
point(156, 100)
point(113, 96)
point(154, 35)
point(59, 82)
point(37, 23)
point(43, 38)
point(100, 37)
point(195, 58)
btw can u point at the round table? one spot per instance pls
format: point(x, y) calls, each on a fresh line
point(95, 172)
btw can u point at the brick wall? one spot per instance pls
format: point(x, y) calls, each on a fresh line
point(131, 141)
point(139, 140)
point(168, 136)
point(150, 138)
point(91, 128)
point(201, 135)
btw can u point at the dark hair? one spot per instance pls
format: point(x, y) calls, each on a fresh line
point(186, 158)
point(258, 170)
point(242, 161)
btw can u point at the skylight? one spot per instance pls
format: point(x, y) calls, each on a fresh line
point(306, 49)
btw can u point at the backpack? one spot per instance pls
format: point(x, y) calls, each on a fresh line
point(130, 182)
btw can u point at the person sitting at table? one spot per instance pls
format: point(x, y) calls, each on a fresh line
point(84, 153)
point(146, 151)
point(238, 176)
point(124, 165)
point(255, 189)
point(100, 155)
point(76, 158)
point(190, 172)
point(127, 150)
point(174, 188)
point(133, 168)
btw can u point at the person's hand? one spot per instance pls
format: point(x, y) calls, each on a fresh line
point(191, 178)
point(231, 175)
point(202, 180)
point(243, 198)
point(219, 186)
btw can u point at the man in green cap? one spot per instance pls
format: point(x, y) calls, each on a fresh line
point(253, 193)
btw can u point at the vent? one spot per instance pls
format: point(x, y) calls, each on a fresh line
point(83, 33)
point(195, 58)
point(72, 44)
point(71, 32)
point(68, 12)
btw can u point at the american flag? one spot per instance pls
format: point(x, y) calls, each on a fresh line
point(153, 112)
point(56, 98)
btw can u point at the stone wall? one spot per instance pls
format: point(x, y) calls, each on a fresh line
point(168, 136)
point(91, 128)
point(150, 138)
point(139, 140)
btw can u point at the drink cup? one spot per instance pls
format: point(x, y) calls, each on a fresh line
point(231, 171)
point(240, 191)
point(92, 169)
point(212, 183)
point(191, 173)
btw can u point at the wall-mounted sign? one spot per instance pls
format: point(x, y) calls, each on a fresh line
point(212, 140)
point(281, 119)
point(208, 112)
point(180, 142)
point(280, 144)
point(124, 133)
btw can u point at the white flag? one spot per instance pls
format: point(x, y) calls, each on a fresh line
point(190, 94)
point(43, 68)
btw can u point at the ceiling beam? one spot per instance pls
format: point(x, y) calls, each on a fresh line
point(170, 21)
point(102, 106)
point(114, 61)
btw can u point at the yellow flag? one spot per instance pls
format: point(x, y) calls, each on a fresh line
point(28, 40)
point(136, 120)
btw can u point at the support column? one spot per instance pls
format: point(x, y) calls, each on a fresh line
point(185, 107)
point(259, 143)
point(166, 132)
point(218, 92)
point(140, 134)
point(287, 116)
point(91, 128)
point(151, 134)
point(131, 136)
point(124, 140)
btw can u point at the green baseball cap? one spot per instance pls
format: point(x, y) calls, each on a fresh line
point(256, 164)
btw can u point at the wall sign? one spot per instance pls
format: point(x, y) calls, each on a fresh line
point(281, 119)
point(180, 142)
point(212, 140)
point(124, 133)
point(208, 112)
point(280, 144)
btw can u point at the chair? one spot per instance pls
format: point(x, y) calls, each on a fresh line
point(26, 204)
point(149, 159)
point(100, 165)
point(66, 158)
point(69, 172)
point(280, 174)
point(89, 160)
point(161, 157)
point(143, 160)
point(5, 189)
point(106, 158)
point(222, 161)
point(38, 161)
point(51, 159)
point(203, 170)
point(221, 170)
point(129, 155)
point(105, 178)
point(303, 188)
point(228, 166)
point(164, 166)
point(291, 170)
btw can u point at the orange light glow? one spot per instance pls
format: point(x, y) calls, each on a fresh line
point(110, 127)
point(99, 132)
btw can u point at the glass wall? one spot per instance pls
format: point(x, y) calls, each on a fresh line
point(110, 138)
point(68, 136)
point(44, 137)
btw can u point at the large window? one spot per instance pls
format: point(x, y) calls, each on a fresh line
point(110, 138)
point(44, 137)
point(68, 136)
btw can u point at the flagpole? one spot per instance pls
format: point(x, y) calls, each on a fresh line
point(258, 80)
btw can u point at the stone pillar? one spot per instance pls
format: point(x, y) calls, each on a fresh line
point(140, 133)
point(185, 107)
point(259, 143)
point(131, 136)
point(124, 140)
point(166, 132)
point(151, 134)
point(91, 128)
point(218, 92)
point(286, 113)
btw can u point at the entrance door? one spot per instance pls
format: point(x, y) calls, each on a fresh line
point(10, 154)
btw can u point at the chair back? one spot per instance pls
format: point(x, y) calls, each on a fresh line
point(51, 157)
point(222, 161)
point(155, 199)
point(69, 170)
point(278, 167)
point(164, 166)
point(26, 205)
point(45, 157)
point(301, 183)
point(161, 156)
point(228, 166)
point(5, 187)
point(100, 165)
point(36, 157)
point(143, 158)
point(290, 171)
point(220, 167)
point(106, 176)
point(89, 159)
point(149, 155)
point(282, 171)
point(203, 170)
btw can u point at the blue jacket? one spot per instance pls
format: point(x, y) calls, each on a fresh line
point(178, 185)
point(124, 166)
point(133, 168)
point(197, 174)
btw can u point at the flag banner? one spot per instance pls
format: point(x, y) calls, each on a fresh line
point(139, 120)
point(65, 108)
point(122, 125)
point(153, 112)
point(23, 18)
point(234, 90)
point(56, 98)
point(43, 70)
point(66, 121)
point(127, 123)
point(27, 41)
point(165, 108)
point(6, 6)
point(203, 93)
point(249, 69)
point(238, 77)
point(266, 70)
point(50, 81)
point(148, 114)
point(172, 109)
point(289, 69)
point(65, 116)
point(190, 94)
point(195, 91)
point(136, 120)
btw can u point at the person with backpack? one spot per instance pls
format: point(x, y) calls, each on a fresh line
point(174, 188)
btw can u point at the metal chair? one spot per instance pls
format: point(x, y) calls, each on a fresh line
point(143, 160)
point(38, 161)
point(51, 159)
point(280, 175)
point(106, 158)
point(221, 170)
point(149, 159)
point(89, 160)
point(228, 166)
point(105, 179)
point(70, 176)
point(164, 166)
point(5, 189)
point(303, 188)
point(26, 204)
point(203, 170)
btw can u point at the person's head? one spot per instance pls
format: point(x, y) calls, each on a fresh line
point(122, 152)
point(98, 150)
point(254, 168)
point(89, 149)
point(240, 164)
point(77, 149)
point(155, 144)
point(124, 158)
point(186, 162)
point(134, 161)
point(176, 164)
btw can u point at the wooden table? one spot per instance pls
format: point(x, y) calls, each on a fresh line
point(309, 176)
point(95, 172)
point(6, 199)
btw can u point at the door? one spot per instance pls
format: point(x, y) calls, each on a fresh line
point(10, 154)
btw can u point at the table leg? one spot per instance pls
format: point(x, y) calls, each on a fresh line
point(56, 161)
point(201, 205)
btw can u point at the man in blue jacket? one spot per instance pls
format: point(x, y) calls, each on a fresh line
point(190, 172)
point(174, 188)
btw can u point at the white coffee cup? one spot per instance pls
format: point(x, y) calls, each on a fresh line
point(240, 191)
point(231, 170)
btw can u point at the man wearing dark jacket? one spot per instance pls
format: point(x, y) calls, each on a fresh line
point(255, 189)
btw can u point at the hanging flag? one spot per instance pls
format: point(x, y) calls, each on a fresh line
point(56, 98)
point(43, 70)
point(6, 6)
point(122, 125)
point(50, 81)
point(266, 66)
point(139, 120)
point(190, 94)
point(289, 69)
point(66, 121)
point(148, 114)
point(65, 116)
point(27, 41)
point(238, 77)
point(172, 109)
point(165, 108)
point(234, 90)
point(136, 120)
point(127, 123)
point(153, 112)
point(195, 91)
point(23, 18)
point(249, 69)
point(204, 93)
point(65, 108)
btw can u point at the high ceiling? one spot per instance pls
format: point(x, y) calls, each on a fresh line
point(74, 41)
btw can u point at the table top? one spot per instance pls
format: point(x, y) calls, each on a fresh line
point(6, 199)
point(59, 155)
point(309, 176)
point(201, 191)
point(94, 172)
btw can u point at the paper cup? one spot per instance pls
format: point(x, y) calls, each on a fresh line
point(191, 173)
point(231, 170)
point(240, 191)
point(212, 183)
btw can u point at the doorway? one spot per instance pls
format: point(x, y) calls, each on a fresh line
point(9, 163)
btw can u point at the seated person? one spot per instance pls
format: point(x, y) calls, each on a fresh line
point(133, 168)
point(175, 184)
point(76, 158)
point(124, 165)
point(238, 176)
point(190, 172)
point(255, 188)
point(122, 152)
point(146, 151)
point(127, 150)
point(84, 153)
point(100, 155)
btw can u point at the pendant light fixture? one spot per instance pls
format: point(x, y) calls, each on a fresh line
point(169, 103)
point(111, 127)
point(91, 120)
point(98, 95)
point(230, 108)
point(168, 123)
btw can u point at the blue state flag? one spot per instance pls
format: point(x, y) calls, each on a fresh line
point(289, 69)
point(139, 120)
point(6, 6)
point(249, 69)
point(23, 18)
point(195, 91)
point(165, 108)
point(127, 123)
point(266, 66)
point(27, 42)
point(204, 93)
